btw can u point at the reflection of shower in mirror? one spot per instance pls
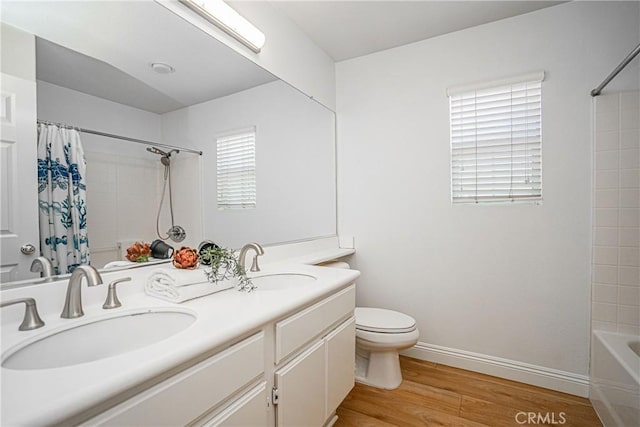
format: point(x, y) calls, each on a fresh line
point(175, 232)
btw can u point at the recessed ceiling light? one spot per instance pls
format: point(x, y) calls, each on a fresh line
point(162, 68)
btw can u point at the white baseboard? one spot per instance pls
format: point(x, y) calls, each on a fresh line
point(566, 382)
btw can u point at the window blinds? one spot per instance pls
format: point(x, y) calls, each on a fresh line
point(236, 173)
point(496, 142)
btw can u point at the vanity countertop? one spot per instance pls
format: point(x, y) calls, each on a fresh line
point(49, 396)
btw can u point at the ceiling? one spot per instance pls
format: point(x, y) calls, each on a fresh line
point(348, 29)
point(80, 48)
point(64, 67)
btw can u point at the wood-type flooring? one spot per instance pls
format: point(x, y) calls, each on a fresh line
point(437, 395)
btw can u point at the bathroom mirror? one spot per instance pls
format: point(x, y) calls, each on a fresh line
point(94, 71)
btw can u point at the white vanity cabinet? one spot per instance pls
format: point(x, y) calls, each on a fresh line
point(187, 395)
point(310, 386)
point(292, 372)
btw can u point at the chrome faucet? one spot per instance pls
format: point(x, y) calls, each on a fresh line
point(73, 302)
point(31, 318)
point(43, 266)
point(243, 253)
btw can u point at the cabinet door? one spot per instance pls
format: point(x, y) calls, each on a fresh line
point(249, 410)
point(340, 349)
point(301, 389)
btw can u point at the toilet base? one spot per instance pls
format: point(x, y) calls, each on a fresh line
point(377, 357)
point(379, 369)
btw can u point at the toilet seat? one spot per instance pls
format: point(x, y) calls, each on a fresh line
point(387, 341)
point(382, 321)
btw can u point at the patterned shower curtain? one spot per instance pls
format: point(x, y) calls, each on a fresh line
point(62, 197)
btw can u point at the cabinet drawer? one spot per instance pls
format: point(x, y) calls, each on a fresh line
point(248, 410)
point(299, 329)
point(185, 396)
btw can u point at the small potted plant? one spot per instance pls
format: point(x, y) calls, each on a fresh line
point(223, 265)
point(203, 247)
point(138, 252)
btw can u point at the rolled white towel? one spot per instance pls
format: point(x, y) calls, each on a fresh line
point(116, 264)
point(174, 285)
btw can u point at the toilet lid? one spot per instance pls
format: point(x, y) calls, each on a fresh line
point(384, 321)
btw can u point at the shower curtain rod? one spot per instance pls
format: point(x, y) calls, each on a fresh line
point(615, 72)
point(124, 138)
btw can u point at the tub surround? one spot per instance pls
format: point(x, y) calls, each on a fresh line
point(615, 292)
point(78, 392)
point(615, 379)
point(615, 280)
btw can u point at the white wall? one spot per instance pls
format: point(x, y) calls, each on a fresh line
point(18, 55)
point(616, 202)
point(510, 282)
point(295, 163)
point(59, 104)
point(124, 181)
point(289, 53)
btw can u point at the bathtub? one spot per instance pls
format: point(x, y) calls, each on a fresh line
point(614, 388)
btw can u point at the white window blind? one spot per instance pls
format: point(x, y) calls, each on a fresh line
point(496, 142)
point(236, 170)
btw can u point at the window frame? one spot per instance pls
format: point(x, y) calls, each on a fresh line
point(489, 151)
point(245, 180)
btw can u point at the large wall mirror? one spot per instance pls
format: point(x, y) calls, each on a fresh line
point(94, 71)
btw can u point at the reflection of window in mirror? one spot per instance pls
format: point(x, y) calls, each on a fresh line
point(236, 169)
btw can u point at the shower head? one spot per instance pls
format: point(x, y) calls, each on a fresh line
point(156, 150)
point(164, 159)
point(164, 154)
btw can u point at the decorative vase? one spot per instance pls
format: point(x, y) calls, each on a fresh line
point(202, 247)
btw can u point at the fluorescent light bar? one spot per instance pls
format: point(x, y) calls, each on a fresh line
point(227, 19)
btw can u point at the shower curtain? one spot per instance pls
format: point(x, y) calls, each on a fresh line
point(62, 197)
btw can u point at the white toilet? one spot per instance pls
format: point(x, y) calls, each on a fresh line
point(380, 335)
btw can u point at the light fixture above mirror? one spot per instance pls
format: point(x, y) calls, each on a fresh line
point(226, 18)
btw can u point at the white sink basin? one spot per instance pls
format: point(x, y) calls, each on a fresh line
point(280, 281)
point(98, 340)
